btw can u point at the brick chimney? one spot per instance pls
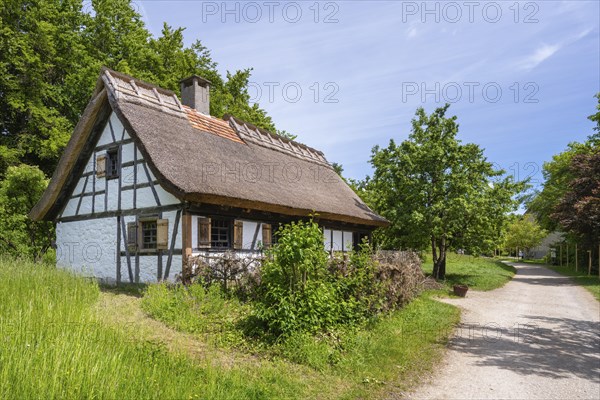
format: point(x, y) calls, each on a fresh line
point(195, 93)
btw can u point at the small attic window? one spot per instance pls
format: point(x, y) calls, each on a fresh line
point(112, 163)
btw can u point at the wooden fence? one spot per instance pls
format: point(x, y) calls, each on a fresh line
point(573, 255)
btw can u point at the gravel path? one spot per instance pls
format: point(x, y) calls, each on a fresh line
point(538, 337)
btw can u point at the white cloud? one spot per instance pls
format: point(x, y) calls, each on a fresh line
point(546, 51)
point(541, 54)
point(412, 32)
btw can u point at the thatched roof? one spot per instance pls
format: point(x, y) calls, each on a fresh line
point(203, 159)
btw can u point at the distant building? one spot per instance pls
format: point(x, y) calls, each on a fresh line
point(543, 249)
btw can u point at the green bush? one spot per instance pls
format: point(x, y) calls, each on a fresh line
point(301, 291)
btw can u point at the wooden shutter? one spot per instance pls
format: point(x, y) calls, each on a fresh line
point(101, 166)
point(162, 234)
point(266, 235)
point(132, 236)
point(238, 233)
point(204, 233)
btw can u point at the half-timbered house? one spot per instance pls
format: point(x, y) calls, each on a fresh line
point(148, 179)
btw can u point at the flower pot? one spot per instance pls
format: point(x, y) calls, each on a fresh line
point(461, 290)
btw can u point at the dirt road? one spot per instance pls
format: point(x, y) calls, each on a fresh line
point(538, 337)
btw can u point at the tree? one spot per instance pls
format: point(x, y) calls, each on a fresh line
point(51, 52)
point(438, 192)
point(40, 47)
point(524, 233)
point(559, 174)
point(19, 192)
point(578, 210)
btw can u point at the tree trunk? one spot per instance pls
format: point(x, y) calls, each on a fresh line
point(439, 268)
point(439, 259)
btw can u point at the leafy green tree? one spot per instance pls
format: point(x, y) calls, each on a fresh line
point(578, 210)
point(51, 52)
point(558, 175)
point(19, 191)
point(438, 192)
point(39, 47)
point(524, 233)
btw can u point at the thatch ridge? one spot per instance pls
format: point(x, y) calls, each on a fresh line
point(266, 173)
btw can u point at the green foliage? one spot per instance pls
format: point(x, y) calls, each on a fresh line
point(19, 191)
point(51, 53)
point(558, 174)
point(438, 192)
point(578, 211)
point(301, 292)
point(524, 233)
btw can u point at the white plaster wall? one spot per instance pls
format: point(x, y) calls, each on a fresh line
point(70, 208)
point(127, 151)
point(194, 223)
point(86, 205)
point(126, 199)
point(149, 262)
point(112, 188)
point(171, 215)
point(145, 197)
point(88, 247)
point(106, 137)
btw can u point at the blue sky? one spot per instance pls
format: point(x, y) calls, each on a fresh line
point(520, 75)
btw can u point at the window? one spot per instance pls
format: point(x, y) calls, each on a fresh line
point(149, 234)
point(220, 234)
point(112, 163)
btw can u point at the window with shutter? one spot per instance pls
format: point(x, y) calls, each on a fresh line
point(101, 166)
point(220, 234)
point(162, 234)
point(266, 236)
point(238, 232)
point(112, 163)
point(204, 233)
point(149, 235)
point(132, 236)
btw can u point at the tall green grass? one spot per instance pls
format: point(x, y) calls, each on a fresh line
point(52, 346)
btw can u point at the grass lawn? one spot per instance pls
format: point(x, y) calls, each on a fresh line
point(479, 273)
point(64, 337)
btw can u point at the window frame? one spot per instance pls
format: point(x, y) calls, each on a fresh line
point(112, 156)
point(143, 229)
point(227, 230)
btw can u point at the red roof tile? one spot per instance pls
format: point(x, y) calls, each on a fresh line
point(212, 125)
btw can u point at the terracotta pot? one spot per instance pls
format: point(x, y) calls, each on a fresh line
point(461, 290)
